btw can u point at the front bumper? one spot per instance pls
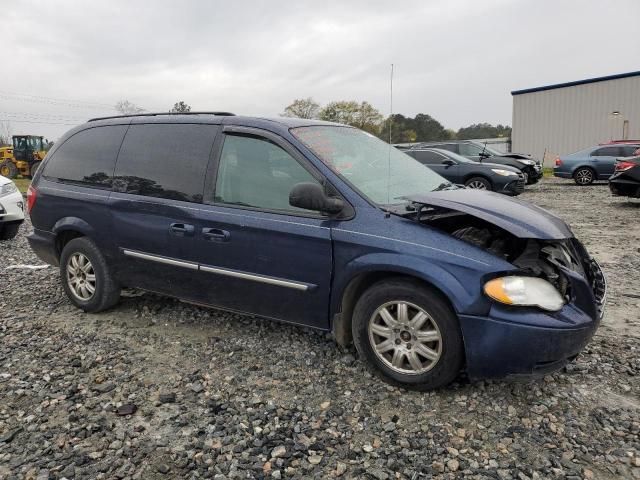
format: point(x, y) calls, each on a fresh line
point(538, 173)
point(498, 348)
point(514, 187)
point(12, 208)
point(519, 341)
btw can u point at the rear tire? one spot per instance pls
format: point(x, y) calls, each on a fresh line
point(8, 169)
point(86, 278)
point(584, 176)
point(8, 231)
point(418, 346)
point(479, 183)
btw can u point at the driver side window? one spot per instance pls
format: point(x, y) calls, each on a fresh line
point(255, 172)
point(469, 150)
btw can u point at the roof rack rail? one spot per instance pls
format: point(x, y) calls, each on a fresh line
point(223, 114)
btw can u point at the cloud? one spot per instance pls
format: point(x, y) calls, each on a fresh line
point(455, 60)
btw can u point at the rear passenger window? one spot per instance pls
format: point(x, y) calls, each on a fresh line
point(165, 160)
point(88, 157)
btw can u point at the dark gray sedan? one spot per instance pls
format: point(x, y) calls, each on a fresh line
point(460, 170)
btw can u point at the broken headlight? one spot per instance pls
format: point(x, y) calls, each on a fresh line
point(524, 291)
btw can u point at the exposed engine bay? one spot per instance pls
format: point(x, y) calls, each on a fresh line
point(541, 258)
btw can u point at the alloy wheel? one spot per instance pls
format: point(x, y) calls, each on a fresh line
point(477, 184)
point(81, 277)
point(405, 337)
point(584, 176)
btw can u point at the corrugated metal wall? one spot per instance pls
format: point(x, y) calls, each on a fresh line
point(564, 120)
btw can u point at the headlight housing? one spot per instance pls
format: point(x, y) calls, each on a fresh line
point(8, 189)
point(504, 173)
point(526, 162)
point(524, 291)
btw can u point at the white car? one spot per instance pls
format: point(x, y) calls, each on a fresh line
point(11, 209)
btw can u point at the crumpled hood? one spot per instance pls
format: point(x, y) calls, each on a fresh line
point(520, 218)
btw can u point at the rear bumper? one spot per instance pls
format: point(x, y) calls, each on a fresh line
point(562, 174)
point(623, 187)
point(43, 243)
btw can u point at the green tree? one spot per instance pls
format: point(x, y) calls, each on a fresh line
point(125, 107)
point(302, 108)
point(361, 115)
point(180, 107)
point(422, 128)
point(483, 130)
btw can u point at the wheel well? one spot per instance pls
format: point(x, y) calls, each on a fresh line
point(593, 170)
point(357, 286)
point(471, 175)
point(65, 237)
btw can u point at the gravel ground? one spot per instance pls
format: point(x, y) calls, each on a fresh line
point(160, 389)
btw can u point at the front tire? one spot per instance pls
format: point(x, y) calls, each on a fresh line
point(86, 278)
point(408, 335)
point(584, 176)
point(479, 183)
point(8, 169)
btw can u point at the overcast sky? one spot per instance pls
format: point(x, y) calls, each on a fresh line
point(458, 61)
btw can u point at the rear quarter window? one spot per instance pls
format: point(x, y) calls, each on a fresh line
point(165, 160)
point(88, 157)
point(607, 152)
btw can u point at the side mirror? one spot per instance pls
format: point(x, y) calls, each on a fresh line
point(448, 162)
point(311, 196)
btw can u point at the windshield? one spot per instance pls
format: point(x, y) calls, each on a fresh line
point(453, 155)
point(486, 148)
point(381, 172)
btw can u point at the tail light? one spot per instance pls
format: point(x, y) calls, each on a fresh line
point(623, 165)
point(32, 194)
point(558, 162)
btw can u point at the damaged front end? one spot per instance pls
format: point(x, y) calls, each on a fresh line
point(557, 257)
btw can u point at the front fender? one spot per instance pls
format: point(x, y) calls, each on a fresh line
point(464, 296)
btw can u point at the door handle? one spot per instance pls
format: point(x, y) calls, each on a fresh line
point(182, 229)
point(215, 235)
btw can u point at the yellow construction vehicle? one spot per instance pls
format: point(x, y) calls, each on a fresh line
point(23, 157)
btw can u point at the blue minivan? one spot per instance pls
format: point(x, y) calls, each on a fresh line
point(321, 225)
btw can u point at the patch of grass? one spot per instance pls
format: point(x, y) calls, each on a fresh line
point(547, 171)
point(22, 184)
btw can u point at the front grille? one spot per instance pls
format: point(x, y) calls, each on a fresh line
point(519, 185)
point(593, 274)
point(598, 285)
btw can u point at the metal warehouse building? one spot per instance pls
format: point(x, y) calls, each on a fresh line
point(567, 117)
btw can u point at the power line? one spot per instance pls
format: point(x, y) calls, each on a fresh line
point(38, 122)
point(42, 116)
point(52, 100)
